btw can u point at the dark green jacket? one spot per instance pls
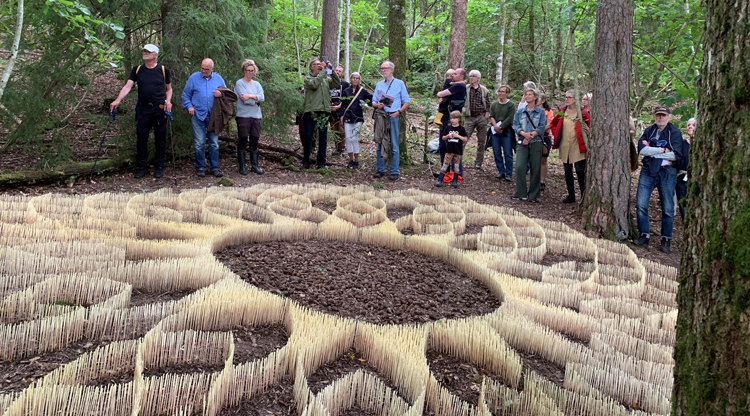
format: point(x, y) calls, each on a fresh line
point(318, 91)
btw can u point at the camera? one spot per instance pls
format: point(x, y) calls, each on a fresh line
point(324, 60)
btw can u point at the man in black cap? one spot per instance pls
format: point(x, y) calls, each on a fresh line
point(661, 148)
point(154, 98)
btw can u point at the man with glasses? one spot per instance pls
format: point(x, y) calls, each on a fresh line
point(661, 145)
point(477, 113)
point(198, 99)
point(385, 90)
point(154, 98)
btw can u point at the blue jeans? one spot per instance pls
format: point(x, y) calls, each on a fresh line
point(199, 141)
point(665, 181)
point(395, 152)
point(502, 147)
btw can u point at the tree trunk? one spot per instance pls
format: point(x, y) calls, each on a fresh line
point(338, 37)
point(532, 43)
point(457, 42)
point(347, 39)
point(364, 48)
point(328, 41)
point(171, 41)
point(13, 50)
point(127, 43)
point(397, 52)
point(712, 351)
point(508, 46)
point(557, 75)
point(501, 44)
point(296, 43)
point(606, 202)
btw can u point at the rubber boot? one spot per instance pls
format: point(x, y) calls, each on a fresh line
point(440, 179)
point(254, 162)
point(241, 156)
point(455, 180)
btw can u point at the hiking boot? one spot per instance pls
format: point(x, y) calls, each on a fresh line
point(666, 245)
point(217, 173)
point(440, 179)
point(322, 167)
point(201, 173)
point(305, 165)
point(500, 176)
point(159, 173)
point(508, 179)
point(569, 199)
point(378, 175)
point(394, 177)
point(140, 173)
point(642, 241)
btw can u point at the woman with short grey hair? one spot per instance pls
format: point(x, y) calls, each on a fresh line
point(528, 85)
point(352, 99)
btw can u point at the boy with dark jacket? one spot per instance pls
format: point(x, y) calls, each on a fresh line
point(662, 148)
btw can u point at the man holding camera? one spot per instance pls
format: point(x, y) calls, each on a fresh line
point(337, 112)
point(317, 108)
point(661, 145)
point(391, 96)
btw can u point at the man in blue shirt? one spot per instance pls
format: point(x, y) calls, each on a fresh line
point(395, 88)
point(198, 99)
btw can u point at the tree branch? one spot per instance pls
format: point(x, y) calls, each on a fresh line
point(663, 64)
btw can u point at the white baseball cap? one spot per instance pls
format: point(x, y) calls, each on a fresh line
point(151, 48)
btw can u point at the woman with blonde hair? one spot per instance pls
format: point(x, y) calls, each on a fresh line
point(351, 100)
point(250, 94)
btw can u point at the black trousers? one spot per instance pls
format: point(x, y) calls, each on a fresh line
point(309, 124)
point(580, 167)
point(151, 117)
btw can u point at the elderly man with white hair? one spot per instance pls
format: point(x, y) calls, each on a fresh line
point(198, 99)
point(477, 113)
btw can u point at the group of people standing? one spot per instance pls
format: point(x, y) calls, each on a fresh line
point(210, 105)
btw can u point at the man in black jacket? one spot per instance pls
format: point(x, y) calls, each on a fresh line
point(662, 148)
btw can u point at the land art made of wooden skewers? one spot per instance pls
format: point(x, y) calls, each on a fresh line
point(72, 267)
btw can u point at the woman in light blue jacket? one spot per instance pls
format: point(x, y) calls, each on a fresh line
point(529, 124)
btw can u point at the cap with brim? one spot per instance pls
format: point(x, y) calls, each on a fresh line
point(151, 48)
point(662, 110)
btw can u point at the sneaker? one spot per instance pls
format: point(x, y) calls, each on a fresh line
point(217, 173)
point(435, 174)
point(322, 167)
point(515, 198)
point(394, 176)
point(642, 241)
point(140, 173)
point(201, 173)
point(350, 165)
point(159, 173)
point(508, 179)
point(355, 166)
point(542, 186)
point(378, 174)
point(569, 199)
point(500, 176)
point(534, 200)
point(477, 166)
point(666, 245)
point(305, 165)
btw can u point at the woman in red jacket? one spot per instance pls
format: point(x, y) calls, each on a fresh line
point(566, 129)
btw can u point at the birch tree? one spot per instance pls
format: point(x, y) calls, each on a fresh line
point(13, 50)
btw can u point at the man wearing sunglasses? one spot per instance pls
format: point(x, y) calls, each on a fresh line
point(661, 148)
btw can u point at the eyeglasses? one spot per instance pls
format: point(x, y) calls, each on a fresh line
point(385, 67)
point(206, 69)
point(569, 98)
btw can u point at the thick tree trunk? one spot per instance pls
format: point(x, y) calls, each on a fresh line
point(712, 352)
point(328, 30)
point(501, 44)
point(13, 50)
point(397, 52)
point(457, 42)
point(606, 202)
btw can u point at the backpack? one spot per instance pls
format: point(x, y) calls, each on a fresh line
point(163, 73)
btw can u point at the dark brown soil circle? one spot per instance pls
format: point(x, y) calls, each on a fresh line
point(364, 282)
